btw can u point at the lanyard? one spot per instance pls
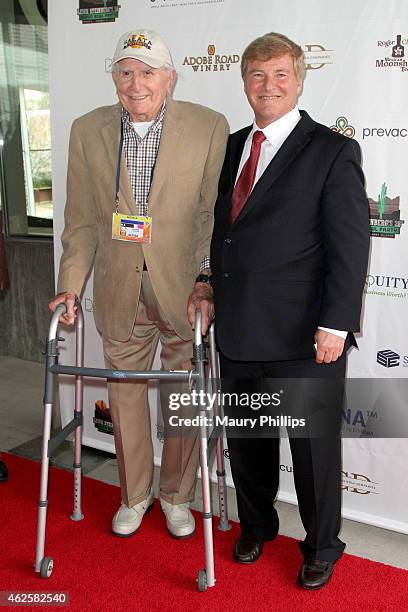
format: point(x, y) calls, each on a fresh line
point(118, 168)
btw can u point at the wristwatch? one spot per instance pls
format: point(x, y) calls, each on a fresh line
point(204, 278)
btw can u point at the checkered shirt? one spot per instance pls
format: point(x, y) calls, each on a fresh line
point(141, 154)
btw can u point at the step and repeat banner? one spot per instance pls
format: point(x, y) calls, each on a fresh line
point(356, 83)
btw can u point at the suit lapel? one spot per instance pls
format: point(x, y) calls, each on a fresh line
point(111, 136)
point(169, 141)
point(293, 145)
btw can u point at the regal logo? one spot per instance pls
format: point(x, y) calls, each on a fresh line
point(358, 483)
point(316, 56)
point(385, 219)
point(212, 62)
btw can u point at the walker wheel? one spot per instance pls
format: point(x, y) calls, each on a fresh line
point(46, 567)
point(202, 580)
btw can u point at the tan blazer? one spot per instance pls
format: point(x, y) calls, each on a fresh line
point(181, 202)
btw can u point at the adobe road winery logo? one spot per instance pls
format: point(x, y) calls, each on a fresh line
point(102, 418)
point(385, 219)
point(342, 127)
point(316, 56)
point(214, 61)
point(396, 53)
point(98, 11)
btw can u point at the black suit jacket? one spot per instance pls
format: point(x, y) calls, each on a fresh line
point(296, 257)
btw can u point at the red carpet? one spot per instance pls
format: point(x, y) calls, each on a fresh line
point(151, 571)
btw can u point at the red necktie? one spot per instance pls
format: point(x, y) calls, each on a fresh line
point(246, 179)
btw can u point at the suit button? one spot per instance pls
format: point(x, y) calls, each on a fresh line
point(137, 269)
point(225, 275)
point(228, 241)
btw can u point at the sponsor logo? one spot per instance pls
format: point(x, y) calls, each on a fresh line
point(342, 127)
point(137, 41)
point(391, 359)
point(212, 62)
point(98, 11)
point(358, 483)
point(395, 53)
point(358, 422)
point(371, 132)
point(102, 418)
point(386, 286)
point(388, 358)
point(173, 3)
point(88, 305)
point(317, 57)
point(385, 219)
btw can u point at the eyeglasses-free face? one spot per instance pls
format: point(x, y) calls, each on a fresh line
point(142, 89)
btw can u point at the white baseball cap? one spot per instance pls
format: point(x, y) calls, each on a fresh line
point(143, 45)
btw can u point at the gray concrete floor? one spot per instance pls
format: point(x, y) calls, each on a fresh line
point(21, 392)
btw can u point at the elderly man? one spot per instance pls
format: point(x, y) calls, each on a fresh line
point(288, 259)
point(142, 182)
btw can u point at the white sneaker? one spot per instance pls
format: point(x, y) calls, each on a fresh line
point(127, 520)
point(179, 520)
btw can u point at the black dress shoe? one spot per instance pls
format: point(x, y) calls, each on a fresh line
point(314, 574)
point(3, 472)
point(247, 550)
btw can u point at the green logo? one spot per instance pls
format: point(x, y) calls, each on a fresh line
point(98, 11)
point(385, 219)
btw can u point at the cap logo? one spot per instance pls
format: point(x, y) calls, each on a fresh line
point(137, 41)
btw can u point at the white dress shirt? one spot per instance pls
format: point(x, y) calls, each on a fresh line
point(276, 133)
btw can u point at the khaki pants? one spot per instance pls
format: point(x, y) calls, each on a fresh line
point(130, 410)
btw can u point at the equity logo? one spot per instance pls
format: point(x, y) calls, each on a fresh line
point(342, 127)
point(385, 219)
point(395, 59)
point(212, 62)
point(317, 57)
point(98, 11)
point(358, 483)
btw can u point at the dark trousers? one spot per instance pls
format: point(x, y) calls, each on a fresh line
point(316, 456)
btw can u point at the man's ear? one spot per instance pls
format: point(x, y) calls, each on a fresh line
point(172, 82)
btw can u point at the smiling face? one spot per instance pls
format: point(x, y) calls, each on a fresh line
point(142, 89)
point(272, 88)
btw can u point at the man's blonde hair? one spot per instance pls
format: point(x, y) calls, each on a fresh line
point(274, 45)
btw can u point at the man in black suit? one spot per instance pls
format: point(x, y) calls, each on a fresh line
point(288, 261)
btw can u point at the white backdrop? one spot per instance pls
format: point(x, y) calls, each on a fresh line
point(356, 83)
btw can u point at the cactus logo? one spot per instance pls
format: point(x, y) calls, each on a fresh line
point(98, 11)
point(385, 219)
point(342, 127)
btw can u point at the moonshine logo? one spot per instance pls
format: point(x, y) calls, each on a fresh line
point(212, 62)
point(395, 53)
